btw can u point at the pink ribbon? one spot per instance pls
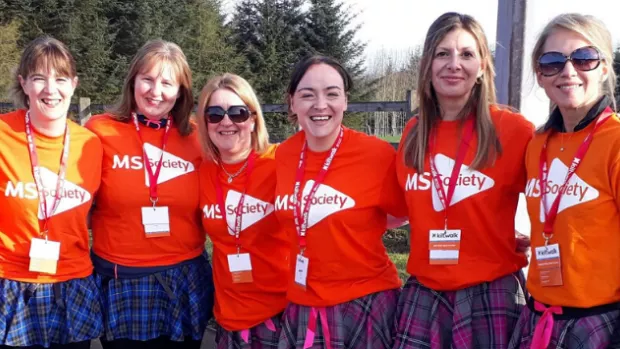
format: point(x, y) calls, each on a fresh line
point(322, 315)
point(544, 327)
point(245, 334)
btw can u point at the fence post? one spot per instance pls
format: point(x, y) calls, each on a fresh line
point(84, 110)
point(409, 100)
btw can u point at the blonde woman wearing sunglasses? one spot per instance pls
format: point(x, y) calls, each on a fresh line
point(237, 193)
point(573, 193)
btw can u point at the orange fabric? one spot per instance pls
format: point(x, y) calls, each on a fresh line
point(19, 200)
point(347, 259)
point(118, 232)
point(241, 306)
point(587, 226)
point(483, 206)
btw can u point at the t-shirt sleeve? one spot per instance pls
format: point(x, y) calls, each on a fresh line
point(392, 197)
point(523, 133)
point(614, 173)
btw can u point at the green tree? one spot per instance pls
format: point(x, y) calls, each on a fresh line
point(9, 53)
point(616, 67)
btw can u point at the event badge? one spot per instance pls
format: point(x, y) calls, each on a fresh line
point(156, 221)
point(240, 267)
point(549, 266)
point(444, 245)
point(301, 271)
point(44, 255)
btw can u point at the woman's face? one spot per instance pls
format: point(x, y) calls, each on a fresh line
point(230, 137)
point(156, 91)
point(49, 94)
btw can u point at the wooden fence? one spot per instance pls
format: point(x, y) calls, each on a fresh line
point(383, 119)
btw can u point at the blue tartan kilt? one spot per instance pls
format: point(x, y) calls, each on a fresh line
point(42, 314)
point(176, 302)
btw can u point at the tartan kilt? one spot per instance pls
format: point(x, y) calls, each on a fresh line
point(363, 323)
point(42, 314)
point(481, 316)
point(177, 303)
point(600, 331)
point(260, 337)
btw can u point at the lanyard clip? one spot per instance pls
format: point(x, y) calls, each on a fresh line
point(302, 249)
point(547, 238)
point(238, 250)
point(154, 201)
point(445, 224)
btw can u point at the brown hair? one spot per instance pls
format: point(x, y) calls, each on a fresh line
point(593, 31)
point(482, 96)
point(300, 70)
point(153, 52)
point(238, 85)
point(42, 54)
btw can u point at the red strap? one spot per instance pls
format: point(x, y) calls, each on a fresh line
point(153, 176)
point(301, 220)
point(219, 192)
point(446, 198)
point(36, 173)
point(551, 213)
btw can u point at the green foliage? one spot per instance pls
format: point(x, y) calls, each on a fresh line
point(617, 71)
point(9, 51)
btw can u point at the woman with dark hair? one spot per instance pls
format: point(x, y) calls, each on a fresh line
point(148, 242)
point(50, 169)
point(335, 189)
point(461, 165)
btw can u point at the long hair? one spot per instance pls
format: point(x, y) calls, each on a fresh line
point(153, 52)
point(482, 96)
point(238, 85)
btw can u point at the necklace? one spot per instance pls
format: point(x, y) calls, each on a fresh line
point(232, 176)
point(562, 146)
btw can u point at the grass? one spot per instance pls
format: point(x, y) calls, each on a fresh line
point(391, 139)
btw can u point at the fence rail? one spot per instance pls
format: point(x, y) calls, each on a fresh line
point(384, 119)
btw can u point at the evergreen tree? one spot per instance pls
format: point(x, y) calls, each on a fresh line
point(9, 53)
point(616, 67)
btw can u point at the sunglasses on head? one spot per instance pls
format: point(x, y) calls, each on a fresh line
point(584, 59)
point(236, 114)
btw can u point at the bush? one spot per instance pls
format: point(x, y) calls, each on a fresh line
point(396, 240)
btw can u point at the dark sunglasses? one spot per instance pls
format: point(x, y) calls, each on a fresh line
point(236, 114)
point(584, 58)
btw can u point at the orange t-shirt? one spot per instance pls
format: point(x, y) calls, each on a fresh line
point(483, 206)
point(19, 203)
point(118, 232)
point(241, 306)
point(587, 227)
point(347, 219)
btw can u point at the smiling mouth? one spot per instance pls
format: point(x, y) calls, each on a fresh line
point(320, 118)
point(153, 101)
point(227, 133)
point(569, 87)
point(50, 102)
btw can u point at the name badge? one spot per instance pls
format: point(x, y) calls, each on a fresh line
point(443, 246)
point(44, 255)
point(240, 267)
point(156, 221)
point(301, 271)
point(549, 265)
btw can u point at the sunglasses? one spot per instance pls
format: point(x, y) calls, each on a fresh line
point(584, 59)
point(236, 114)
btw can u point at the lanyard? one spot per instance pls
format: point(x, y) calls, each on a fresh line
point(552, 212)
point(36, 173)
point(446, 198)
point(145, 159)
point(238, 214)
point(301, 220)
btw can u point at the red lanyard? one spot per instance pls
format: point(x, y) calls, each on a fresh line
point(552, 213)
point(220, 200)
point(301, 220)
point(36, 173)
point(446, 198)
point(147, 165)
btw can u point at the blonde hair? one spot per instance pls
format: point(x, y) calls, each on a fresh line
point(482, 96)
point(238, 85)
point(592, 30)
point(42, 54)
point(152, 53)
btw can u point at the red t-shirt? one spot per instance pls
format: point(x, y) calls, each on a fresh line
point(21, 219)
point(483, 206)
point(347, 219)
point(118, 232)
point(241, 306)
